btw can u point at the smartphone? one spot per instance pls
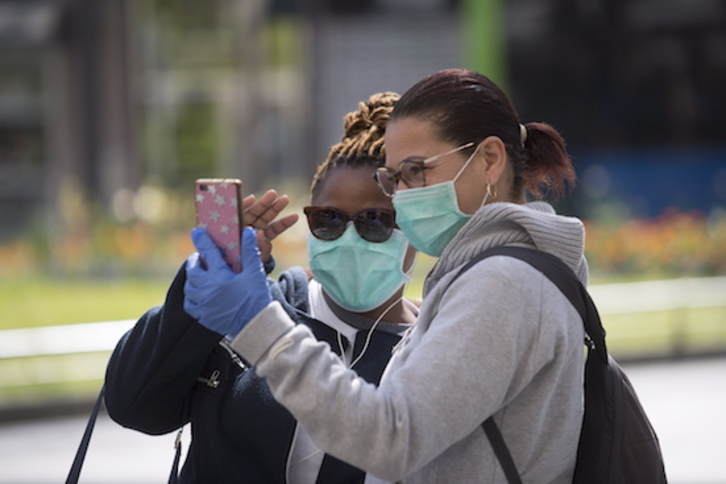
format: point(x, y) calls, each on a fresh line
point(218, 203)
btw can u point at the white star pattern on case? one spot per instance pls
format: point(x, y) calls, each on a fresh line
point(217, 212)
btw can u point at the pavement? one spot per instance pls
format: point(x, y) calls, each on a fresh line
point(685, 401)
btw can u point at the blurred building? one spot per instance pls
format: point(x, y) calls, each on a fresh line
point(65, 115)
point(100, 96)
point(637, 89)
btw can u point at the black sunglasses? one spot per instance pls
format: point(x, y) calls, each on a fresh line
point(372, 224)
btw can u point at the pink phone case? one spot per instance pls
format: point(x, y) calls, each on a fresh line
point(218, 205)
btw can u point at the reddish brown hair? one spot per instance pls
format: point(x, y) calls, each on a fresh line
point(467, 106)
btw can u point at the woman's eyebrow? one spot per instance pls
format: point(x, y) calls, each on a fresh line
point(414, 158)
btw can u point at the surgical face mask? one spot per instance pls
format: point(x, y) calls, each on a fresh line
point(430, 216)
point(359, 275)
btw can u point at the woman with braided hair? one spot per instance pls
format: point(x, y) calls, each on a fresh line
point(171, 369)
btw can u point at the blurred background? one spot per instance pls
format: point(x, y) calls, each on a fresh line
point(110, 109)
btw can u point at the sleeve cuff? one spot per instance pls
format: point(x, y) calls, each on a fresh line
point(263, 331)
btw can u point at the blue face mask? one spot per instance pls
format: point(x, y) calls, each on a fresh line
point(430, 216)
point(359, 275)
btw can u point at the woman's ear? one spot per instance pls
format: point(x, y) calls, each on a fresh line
point(495, 158)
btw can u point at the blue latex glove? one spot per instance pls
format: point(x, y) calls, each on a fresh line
point(217, 297)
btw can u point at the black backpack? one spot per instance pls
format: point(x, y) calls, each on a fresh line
point(617, 442)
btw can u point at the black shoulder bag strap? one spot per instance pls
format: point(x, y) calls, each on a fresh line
point(75, 471)
point(568, 283)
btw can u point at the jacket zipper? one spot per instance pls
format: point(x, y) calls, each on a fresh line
point(232, 354)
point(212, 381)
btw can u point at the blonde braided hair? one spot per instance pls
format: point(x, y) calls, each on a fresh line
point(362, 140)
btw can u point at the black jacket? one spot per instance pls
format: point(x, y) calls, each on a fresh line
point(169, 370)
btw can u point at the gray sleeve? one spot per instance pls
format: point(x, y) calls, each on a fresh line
point(459, 367)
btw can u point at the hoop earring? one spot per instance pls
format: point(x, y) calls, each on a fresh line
point(490, 195)
point(492, 191)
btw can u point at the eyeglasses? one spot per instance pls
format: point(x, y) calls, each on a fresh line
point(410, 172)
point(372, 224)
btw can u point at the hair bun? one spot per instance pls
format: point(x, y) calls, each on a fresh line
point(362, 141)
point(371, 116)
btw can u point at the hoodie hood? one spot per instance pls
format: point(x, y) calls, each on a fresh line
point(533, 224)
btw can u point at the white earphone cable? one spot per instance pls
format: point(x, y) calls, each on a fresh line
point(370, 331)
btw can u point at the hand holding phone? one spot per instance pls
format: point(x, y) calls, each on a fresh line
point(219, 300)
point(218, 203)
point(262, 214)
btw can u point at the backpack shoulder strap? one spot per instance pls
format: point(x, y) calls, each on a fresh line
point(566, 281)
point(501, 451)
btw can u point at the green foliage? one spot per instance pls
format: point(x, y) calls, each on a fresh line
point(195, 136)
point(44, 302)
point(679, 331)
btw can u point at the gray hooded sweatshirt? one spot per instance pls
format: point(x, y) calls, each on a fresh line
point(501, 340)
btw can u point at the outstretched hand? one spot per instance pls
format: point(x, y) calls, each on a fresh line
point(217, 297)
point(261, 214)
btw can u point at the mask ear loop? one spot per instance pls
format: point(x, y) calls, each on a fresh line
point(466, 164)
point(488, 185)
point(413, 263)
